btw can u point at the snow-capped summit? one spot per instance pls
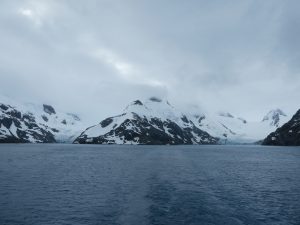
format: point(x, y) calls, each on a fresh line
point(154, 108)
point(287, 134)
point(275, 118)
point(153, 121)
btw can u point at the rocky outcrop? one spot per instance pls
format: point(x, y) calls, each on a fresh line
point(49, 109)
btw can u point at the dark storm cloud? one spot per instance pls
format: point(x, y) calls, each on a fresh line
point(95, 56)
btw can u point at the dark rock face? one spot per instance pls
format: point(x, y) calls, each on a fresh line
point(199, 118)
point(141, 130)
point(286, 135)
point(184, 119)
point(49, 109)
point(155, 99)
point(16, 127)
point(137, 102)
point(3, 107)
point(45, 118)
point(106, 122)
point(54, 130)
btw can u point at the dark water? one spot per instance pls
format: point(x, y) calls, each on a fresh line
point(72, 184)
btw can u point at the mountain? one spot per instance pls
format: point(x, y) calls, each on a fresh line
point(153, 121)
point(234, 129)
point(33, 123)
point(274, 117)
point(288, 134)
point(19, 127)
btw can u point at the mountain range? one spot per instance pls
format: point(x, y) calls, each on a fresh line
point(156, 121)
point(150, 121)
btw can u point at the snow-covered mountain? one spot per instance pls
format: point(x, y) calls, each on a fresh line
point(153, 121)
point(275, 118)
point(21, 127)
point(288, 134)
point(234, 129)
point(36, 123)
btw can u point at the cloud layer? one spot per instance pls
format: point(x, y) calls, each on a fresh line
point(93, 57)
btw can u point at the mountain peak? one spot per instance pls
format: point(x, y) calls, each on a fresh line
point(135, 106)
point(152, 107)
point(274, 116)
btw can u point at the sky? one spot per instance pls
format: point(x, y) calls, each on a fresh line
point(94, 57)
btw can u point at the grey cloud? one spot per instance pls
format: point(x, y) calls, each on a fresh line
point(94, 57)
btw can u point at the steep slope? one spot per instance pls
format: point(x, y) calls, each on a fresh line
point(288, 134)
point(36, 123)
point(153, 121)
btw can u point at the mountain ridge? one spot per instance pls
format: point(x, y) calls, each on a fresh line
point(168, 125)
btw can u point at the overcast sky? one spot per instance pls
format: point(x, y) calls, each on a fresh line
point(95, 56)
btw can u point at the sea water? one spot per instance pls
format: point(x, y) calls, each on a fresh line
point(43, 184)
